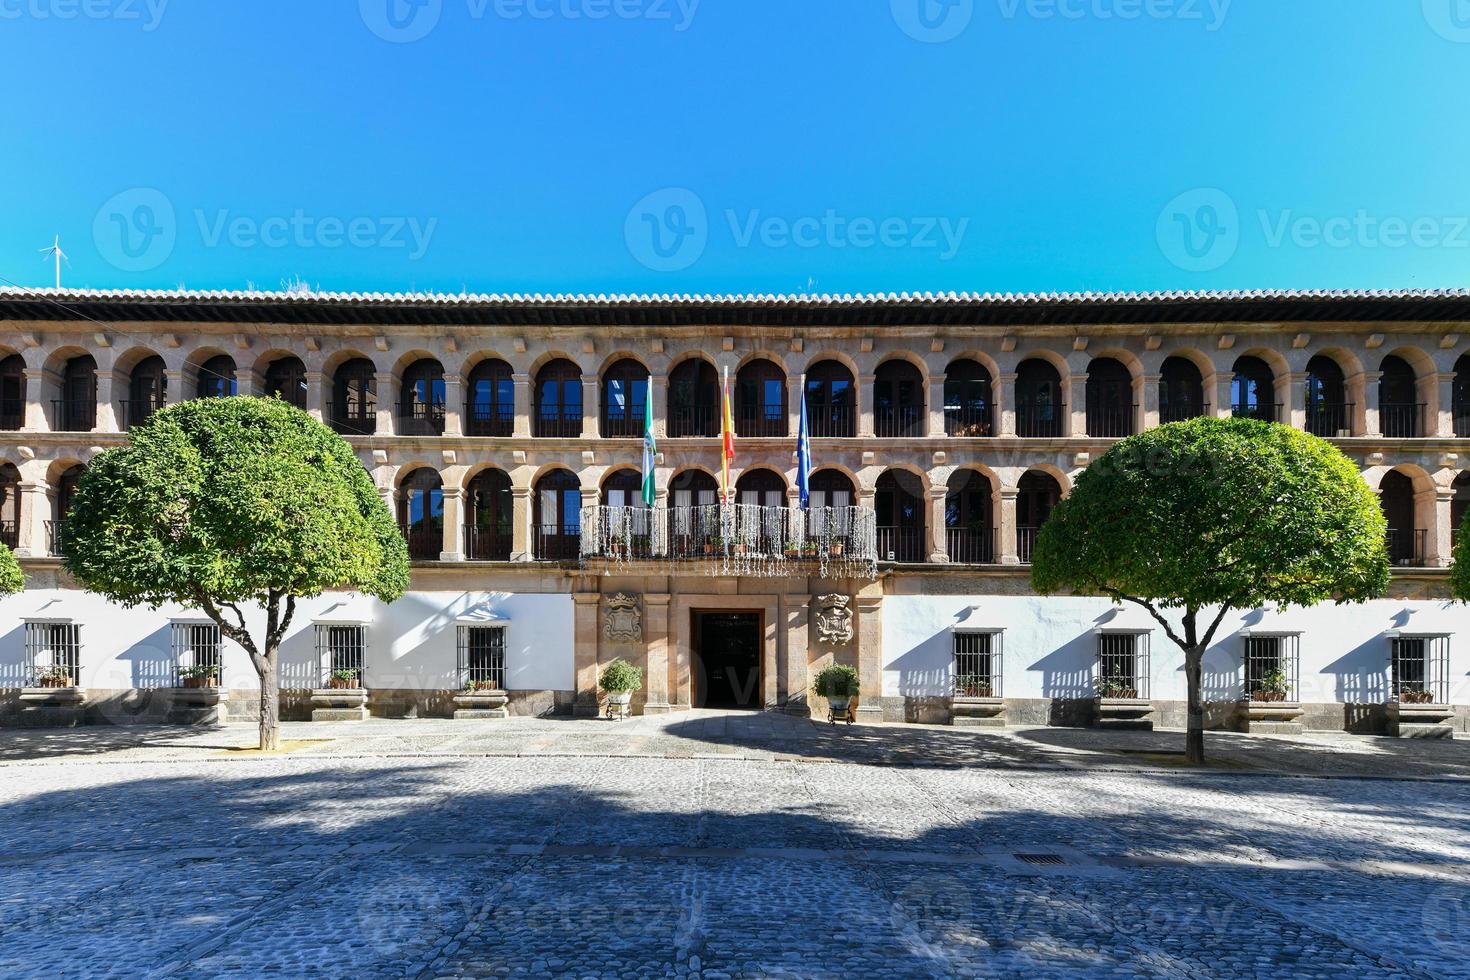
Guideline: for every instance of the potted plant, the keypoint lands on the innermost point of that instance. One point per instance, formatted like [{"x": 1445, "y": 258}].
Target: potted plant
[
  {"x": 1115, "y": 688},
  {"x": 618, "y": 680},
  {"x": 200, "y": 675},
  {"x": 1119, "y": 706},
  {"x": 343, "y": 680},
  {"x": 973, "y": 686},
  {"x": 1416, "y": 697},
  {"x": 54, "y": 677},
  {"x": 1274, "y": 688},
  {"x": 836, "y": 548},
  {"x": 838, "y": 683},
  {"x": 481, "y": 699}
]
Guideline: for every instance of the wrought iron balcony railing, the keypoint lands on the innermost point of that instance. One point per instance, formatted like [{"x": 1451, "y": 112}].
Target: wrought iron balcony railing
[
  {"x": 487, "y": 543},
  {"x": 1330, "y": 419},
  {"x": 1407, "y": 548},
  {"x": 969, "y": 422},
  {"x": 970, "y": 545},
  {"x": 1402, "y": 421},
  {"x": 1263, "y": 411},
  {"x": 1182, "y": 411},
  {"x": 421, "y": 419},
  {"x": 74, "y": 414}
]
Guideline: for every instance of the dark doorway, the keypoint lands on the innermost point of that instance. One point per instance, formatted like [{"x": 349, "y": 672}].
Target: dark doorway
[{"x": 727, "y": 656}]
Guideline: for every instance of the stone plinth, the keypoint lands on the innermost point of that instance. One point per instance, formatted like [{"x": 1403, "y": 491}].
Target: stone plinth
[
  {"x": 1273, "y": 717},
  {"x": 52, "y": 707},
  {"x": 1421, "y": 720},
  {"x": 339, "y": 704},
  {"x": 197, "y": 706},
  {"x": 481, "y": 705},
  {"x": 975, "y": 712},
  {"x": 1125, "y": 714}
]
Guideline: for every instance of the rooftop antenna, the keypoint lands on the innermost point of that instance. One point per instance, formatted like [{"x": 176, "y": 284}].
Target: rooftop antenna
[{"x": 54, "y": 251}]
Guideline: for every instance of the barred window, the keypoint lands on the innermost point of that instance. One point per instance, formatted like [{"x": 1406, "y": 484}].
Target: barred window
[
  {"x": 197, "y": 651},
  {"x": 482, "y": 657},
  {"x": 1272, "y": 665},
  {"x": 977, "y": 663},
  {"x": 1419, "y": 668},
  {"x": 1123, "y": 665},
  {"x": 342, "y": 650},
  {"x": 54, "y": 653}
]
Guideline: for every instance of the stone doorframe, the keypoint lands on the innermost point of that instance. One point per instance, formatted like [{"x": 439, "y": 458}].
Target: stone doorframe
[{"x": 681, "y": 664}]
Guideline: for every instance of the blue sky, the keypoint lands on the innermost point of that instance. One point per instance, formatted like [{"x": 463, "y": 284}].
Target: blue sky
[{"x": 737, "y": 145}]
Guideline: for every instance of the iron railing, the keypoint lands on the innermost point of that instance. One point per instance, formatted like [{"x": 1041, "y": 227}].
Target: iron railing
[
  {"x": 1026, "y": 543},
  {"x": 557, "y": 426},
  {"x": 1039, "y": 421},
  {"x": 832, "y": 422},
  {"x": 899, "y": 422},
  {"x": 1462, "y": 421},
  {"x": 493, "y": 419},
  {"x": 969, "y": 421},
  {"x": 1330, "y": 419},
  {"x": 761, "y": 422},
  {"x": 1109, "y": 420},
  {"x": 555, "y": 542},
  {"x": 970, "y": 546},
  {"x": 487, "y": 543},
  {"x": 424, "y": 543},
  {"x": 693, "y": 421},
  {"x": 74, "y": 414},
  {"x": 1401, "y": 421},
  {"x": 197, "y": 646},
  {"x": 1272, "y": 665},
  {"x": 1419, "y": 667},
  {"x": 54, "y": 653},
  {"x": 12, "y": 413},
  {"x": 481, "y": 658},
  {"x": 1123, "y": 665},
  {"x": 342, "y": 649},
  {"x": 1262, "y": 411},
  {"x": 1182, "y": 411},
  {"x": 978, "y": 663},
  {"x": 136, "y": 412},
  {"x": 10, "y": 534},
  {"x": 355, "y": 420},
  {"x": 902, "y": 543},
  {"x": 421, "y": 419},
  {"x": 626, "y": 426},
  {"x": 55, "y": 539},
  {"x": 1406, "y": 548}
]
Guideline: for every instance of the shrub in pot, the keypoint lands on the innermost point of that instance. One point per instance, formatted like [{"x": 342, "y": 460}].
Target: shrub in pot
[
  {"x": 1273, "y": 688},
  {"x": 618, "y": 681},
  {"x": 1115, "y": 687},
  {"x": 838, "y": 683},
  {"x": 1416, "y": 697},
  {"x": 343, "y": 680},
  {"x": 201, "y": 675},
  {"x": 53, "y": 677},
  {"x": 973, "y": 686}
]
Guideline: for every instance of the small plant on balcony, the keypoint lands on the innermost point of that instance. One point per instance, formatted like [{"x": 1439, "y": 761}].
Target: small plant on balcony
[
  {"x": 1273, "y": 687},
  {"x": 1416, "y": 697},
  {"x": 479, "y": 687},
  {"x": 54, "y": 676},
  {"x": 343, "y": 680},
  {"x": 200, "y": 675},
  {"x": 973, "y": 686},
  {"x": 836, "y": 548},
  {"x": 1115, "y": 687}
]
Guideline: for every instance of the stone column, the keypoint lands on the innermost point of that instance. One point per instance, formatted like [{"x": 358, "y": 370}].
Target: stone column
[
  {"x": 658, "y": 391},
  {"x": 175, "y": 389},
  {"x": 869, "y": 641},
  {"x": 1077, "y": 407},
  {"x": 936, "y": 405},
  {"x": 938, "y": 538},
  {"x": 795, "y": 615},
  {"x": 863, "y": 400},
  {"x": 453, "y": 525},
  {"x": 316, "y": 396},
  {"x": 1372, "y": 426},
  {"x": 387, "y": 402},
  {"x": 1439, "y": 549},
  {"x": 591, "y": 407},
  {"x": 106, "y": 403},
  {"x": 35, "y": 406},
  {"x": 1148, "y": 404},
  {"x": 656, "y": 636},
  {"x": 520, "y": 532},
  {"x": 1003, "y": 395},
  {"x": 1225, "y": 395},
  {"x": 1442, "y": 422},
  {"x": 794, "y": 395},
  {"x": 31, "y": 531},
  {"x": 1356, "y": 392},
  {"x": 453, "y": 406},
  {"x": 1007, "y": 552},
  {"x": 588, "y": 605},
  {"x": 246, "y": 382},
  {"x": 522, "y": 385}
]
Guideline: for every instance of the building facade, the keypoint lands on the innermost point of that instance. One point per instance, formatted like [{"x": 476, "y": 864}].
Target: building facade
[{"x": 507, "y": 433}]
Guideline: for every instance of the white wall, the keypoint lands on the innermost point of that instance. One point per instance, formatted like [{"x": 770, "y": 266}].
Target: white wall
[
  {"x": 411, "y": 644},
  {"x": 1050, "y": 647}
]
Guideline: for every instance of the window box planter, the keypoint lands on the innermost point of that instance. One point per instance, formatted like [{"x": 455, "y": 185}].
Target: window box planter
[
  {"x": 976, "y": 711},
  {"x": 481, "y": 704},
  {"x": 1273, "y": 717},
  {"x": 1125, "y": 713},
  {"x": 1420, "y": 719},
  {"x": 339, "y": 704}
]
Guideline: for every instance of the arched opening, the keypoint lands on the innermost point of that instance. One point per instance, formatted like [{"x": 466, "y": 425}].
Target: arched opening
[
  {"x": 12, "y": 392},
  {"x": 1037, "y": 496},
  {"x": 1181, "y": 391},
  {"x": 355, "y": 398},
  {"x": 421, "y": 399},
  {"x": 1328, "y": 411},
  {"x": 831, "y": 405},
  {"x": 967, "y": 400},
  {"x": 216, "y": 378},
  {"x": 898, "y": 400},
  {"x": 421, "y": 514},
  {"x": 759, "y": 530},
  {"x": 830, "y": 502},
  {"x": 694, "y": 400},
  {"x": 1253, "y": 390},
  {"x": 899, "y": 503},
  {"x": 624, "y": 400},
  {"x": 558, "y": 411},
  {"x": 969, "y": 526},
  {"x": 490, "y": 401},
  {"x": 558, "y": 517},
  {"x": 1406, "y": 541},
  {"x": 760, "y": 401},
  {"x": 1038, "y": 400},
  {"x": 490, "y": 530},
  {"x": 629, "y": 528},
  {"x": 285, "y": 378},
  {"x": 1400, "y": 413},
  {"x": 147, "y": 391},
  {"x": 76, "y": 411},
  {"x": 66, "y": 491},
  {"x": 1460, "y": 397},
  {"x": 1109, "y": 399},
  {"x": 9, "y": 506},
  {"x": 1459, "y": 508},
  {"x": 694, "y": 519}
]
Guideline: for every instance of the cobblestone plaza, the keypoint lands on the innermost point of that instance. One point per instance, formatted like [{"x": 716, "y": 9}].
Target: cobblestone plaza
[{"x": 717, "y": 845}]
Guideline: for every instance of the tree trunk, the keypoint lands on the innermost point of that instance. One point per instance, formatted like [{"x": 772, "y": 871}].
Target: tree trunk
[
  {"x": 270, "y": 707},
  {"x": 1194, "y": 740}
]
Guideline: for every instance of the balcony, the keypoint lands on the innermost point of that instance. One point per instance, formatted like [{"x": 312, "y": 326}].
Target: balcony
[
  {"x": 12, "y": 413},
  {"x": 1402, "y": 421},
  {"x": 693, "y": 421},
  {"x": 741, "y": 539},
  {"x": 54, "y": 539},
  {"x": 898, "y": 422},
  {"x": 1039, "y": 421},
  {"x": 10, "y": 534},
  {"x": 136, "y": 412},
  {"x": 555, "y": 542},
  {"x": 355, "y": 420},
  {"x": 1330, "y": 419},
  {"x": 74, "y": 414},
  {"x": 1026, "y": 543},
  {"x": 487, "y": 543},
  {"x": 968, "y": 422},
  {"x": 1407, "y": 548},
  {"x": 1183, "y": 412},
  {"x": 488, "y": 419},
  {"x": 1261, "y": 411},
  {"x": 1462, "y": 421},
  {"x": 1108, "y": 420},
  {"x": 425, "y": 543},
  {"x": 550, "y": 426},
  {"x": 421, "y": 419},
  {"x": 901, "y": 543},
  {"x": 832, "y": 422},
  {"x": 769, "y": 425},
  {"x": 970, "y": 545}
]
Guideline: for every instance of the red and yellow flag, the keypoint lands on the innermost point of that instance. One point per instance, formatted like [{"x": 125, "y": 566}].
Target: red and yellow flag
[{"x": 727, "y": 439}]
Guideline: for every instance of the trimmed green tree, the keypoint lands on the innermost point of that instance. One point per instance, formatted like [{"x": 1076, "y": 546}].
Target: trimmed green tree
[
  {"x": 11, "y": 578},
  {"x": 1213, "y": 515},
  {"x": 1460, "y": 570},
  {"x": 231, "y": 503}
]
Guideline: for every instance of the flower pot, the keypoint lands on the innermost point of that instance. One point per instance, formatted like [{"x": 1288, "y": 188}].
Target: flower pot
[
  {"x": 839, "y": 707},
  {"x": 198, "y": 682},
  {"x": 339, "y": 685},
  {"x": 619, "y": 704}
]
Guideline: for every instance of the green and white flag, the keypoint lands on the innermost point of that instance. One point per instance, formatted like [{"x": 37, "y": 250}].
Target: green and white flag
[{"x": 650, "y": 447}]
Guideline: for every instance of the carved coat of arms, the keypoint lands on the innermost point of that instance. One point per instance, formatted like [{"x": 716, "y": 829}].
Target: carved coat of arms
[
  {"x": 624, "y": 623},
  {"x": 834, "y": 619}
]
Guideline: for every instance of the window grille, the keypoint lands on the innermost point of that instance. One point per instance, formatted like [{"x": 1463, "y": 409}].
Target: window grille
[
  {"x": 978, "y": 663},
  {"x": 54, "y": 650},
  {"x": 1272, "y": 667},
  {"x": 482, "y": 657},
  {"x": 341, "y": 648},
  {"x": 1420, "y": 665},
  {"x": 1123, "y": 665},
  {"x": 197, "y": 645}
]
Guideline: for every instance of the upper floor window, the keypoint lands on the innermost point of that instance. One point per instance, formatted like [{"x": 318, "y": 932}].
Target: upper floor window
[
  {"x": 1038, "y": 400},
  {"x": 831, "y": 403},
  {"x": 355, "y": 398},
  {"x": 421, "y": 399},
  {"x": 898, "y": 400},
  {"x": 1400, "y": 412},
  {"x": 1461, "y": 397},
  {"x": 9, "y": 506},
  {"x": 421, "y": 514},
  {"x": 968, "y": 521},
  {"x": 1038, "y": 495},
  {"x": 1181, "y": 391},
  {"x": 900, "y": 516},
  {"x": 624, "y": 400},
  {"x": 490, "y": 401},
  {"x": 216, "y": 378},
  {"x": 147, "y": 391},
  {"x": 12, "y": 392},
  {"x": 558, "y": 412},
  {"x": 558, "y": 516},
  {"x": 285, "y": 378},
  {"x": 66, "y": 491},
  {"x": 694, "y": 400},
  {"x": 1459, "y": 508},
  {"x": 1253, "y": 390},
  {"x": 1109, "y": 399},
  {"x": 76, "y": 410},
  {"x": 1328, "y": 411},
  {"x": 967, "y": 400},
  {"x": 760, "y": 400},
  {"x": 491, "y": 508}
]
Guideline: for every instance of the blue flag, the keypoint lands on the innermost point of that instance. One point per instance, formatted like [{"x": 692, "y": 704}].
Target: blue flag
[{"x": 804, "y": 452}]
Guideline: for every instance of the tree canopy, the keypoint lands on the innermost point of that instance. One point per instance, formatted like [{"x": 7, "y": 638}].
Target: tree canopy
[
  {"x": 1460, "y": 573},
  {"x": 11, "y": 579}
]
